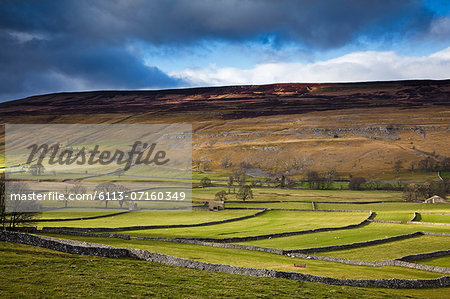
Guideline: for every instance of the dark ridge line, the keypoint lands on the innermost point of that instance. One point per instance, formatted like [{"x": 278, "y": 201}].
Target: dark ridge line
[
  {"x": 127, "y": 228},
  {"x": 407, "y": 82}
]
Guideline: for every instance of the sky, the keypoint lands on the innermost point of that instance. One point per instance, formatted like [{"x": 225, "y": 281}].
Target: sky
[{"x": 79, "y": 45}]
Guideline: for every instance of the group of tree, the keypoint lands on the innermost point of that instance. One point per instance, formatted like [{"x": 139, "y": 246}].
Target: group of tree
[
  {"x": 432, "y": 163},
  {"x": 111, "y": 191},
  {"x": 319, "y": 181},
  {"x": 36, "y": 169},
  {"x": 379, "y": 185},
  {"x": 205, "y": 182},
  {"x": 244, "y": 193},
  {"x": 420, "y": 192},
  {"x": 221, "y": 195},
  {"x": 237, "y": 178},
  {"x": 356, "y": 183}
]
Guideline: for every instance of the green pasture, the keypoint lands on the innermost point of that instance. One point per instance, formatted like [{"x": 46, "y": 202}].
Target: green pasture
[
  {"x": 435, "y": 218},
  {"x": 323, "y": 195},
  {"x": 113, "y": 205},
  {"x": 439, "y": 261},
  {"x": 267, "y": 223},
  {"x": 263, "y": 260},
  {"x": 60, "y": 275},
  {"x": 76, "y": 213},
  {"x": 398, "y": 211},
  {"x": 150, "y": 218},
  {"x": 271, "y": 205},
  {"x": 367, "y": 232},
  {"x": 393, "y": 250},
  {"x": 275, "y": 194}
]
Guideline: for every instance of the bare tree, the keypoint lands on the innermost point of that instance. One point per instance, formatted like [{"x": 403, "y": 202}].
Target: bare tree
[
  {"x": 2, "y": 200},
  {"x": 36, "y": 169},
  {"x": 205, "y": 182},
  {"x": 221, "y": 195},
  {"x": 315, "y": 181},
  {"x": 230, "y": 182},
  {"x": 120, "y": 189},
  {"x": 77, "y": 188},
  {"x": 244, "y": 193},
  {"x": 226, "y": 162},
  {"x": 240, "y": 176},
  {"x": 17, "y": 212},
  {"x": 106, "y": 187},
  {"x": 398, "y": 165},
  {"x": 355, "y": 183}
]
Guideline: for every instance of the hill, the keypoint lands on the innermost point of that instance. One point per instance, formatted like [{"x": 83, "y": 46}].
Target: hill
[{"x": 355, "y": 128}]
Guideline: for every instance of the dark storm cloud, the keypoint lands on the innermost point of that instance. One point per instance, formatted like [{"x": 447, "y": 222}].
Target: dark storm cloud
[
  {"x": 322, "y": 23},
  {"x": 66, "y": 45}
]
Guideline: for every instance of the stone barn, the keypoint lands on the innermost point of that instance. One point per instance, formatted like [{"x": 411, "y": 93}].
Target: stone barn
[
  {"x": 435, "y": 199},
  {"x": 216, "y": 205}
]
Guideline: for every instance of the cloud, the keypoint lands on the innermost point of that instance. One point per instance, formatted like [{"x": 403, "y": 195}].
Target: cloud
[
  {"x": 357, "y": 66},
  {"x": 440, "y": 29},
  {"x": 49, "y": 46},
  {"x": 32, "y": 65},
  {"x": 320, "y": 23}
]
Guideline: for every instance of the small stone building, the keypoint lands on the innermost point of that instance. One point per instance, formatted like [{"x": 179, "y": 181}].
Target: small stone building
[
  {"x": 132, "y": 206},
  {"x": 216, "y": 205},
  {"x": 435, "y": 199}
]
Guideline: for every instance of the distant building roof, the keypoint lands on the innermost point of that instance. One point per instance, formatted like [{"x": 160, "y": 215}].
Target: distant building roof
[{"x": 435, "y": 199}]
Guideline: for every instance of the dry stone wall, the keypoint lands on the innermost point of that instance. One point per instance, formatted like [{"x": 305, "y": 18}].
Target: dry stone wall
[
  {"x": 127, "y": 228},
  {"x": 77, "y": 247}
]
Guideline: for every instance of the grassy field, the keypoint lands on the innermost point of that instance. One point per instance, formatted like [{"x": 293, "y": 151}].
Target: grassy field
[
  {"x": 403, "y": 211},
  {"x": 439, "y": 261},
  {"x": 88, "y": 276},
  {"x": 285, "y": 131},
  {"x": 435, "y": 218},
  {"x": 393, "y": 250},
  {"x": 267, "y": 223},
  {"x": 150, "y": 218},
  {"x": 256, "y": 259},
  {"x": 272, "y": 205},
  {"x": 76, "y": 213},
  {"x": 272, "y": 194},
  {"x": 272, "y": 221},
  {"x": 368, "y": 232}
]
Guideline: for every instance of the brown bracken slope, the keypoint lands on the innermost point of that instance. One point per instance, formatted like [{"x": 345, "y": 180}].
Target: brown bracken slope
[{"x": 355, "y": 128}]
